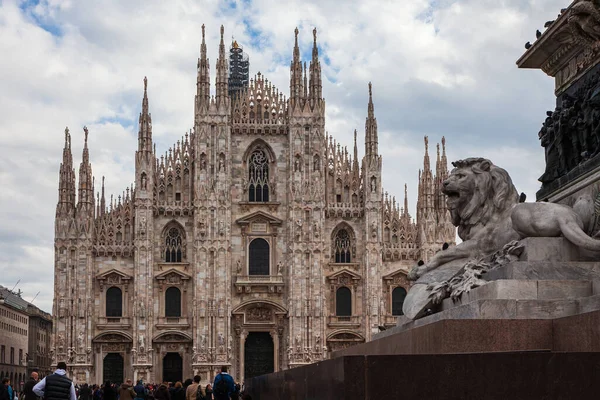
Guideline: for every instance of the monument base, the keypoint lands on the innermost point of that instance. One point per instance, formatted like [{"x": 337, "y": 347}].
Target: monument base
[{"x": 532, "y": 375}]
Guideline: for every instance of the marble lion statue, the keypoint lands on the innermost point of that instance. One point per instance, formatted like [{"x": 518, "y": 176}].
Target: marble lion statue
[{"x": 484, "y": 205}]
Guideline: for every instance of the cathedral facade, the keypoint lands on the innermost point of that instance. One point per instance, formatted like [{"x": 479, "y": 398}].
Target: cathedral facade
[{"x": 256, "y": 241}]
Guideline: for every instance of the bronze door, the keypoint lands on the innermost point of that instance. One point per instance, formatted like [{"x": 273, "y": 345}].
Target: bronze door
[
  {"x": 172, "y": 368},
  {"x": 113, "y": 368},
  {"x": 258, "y": 354}
]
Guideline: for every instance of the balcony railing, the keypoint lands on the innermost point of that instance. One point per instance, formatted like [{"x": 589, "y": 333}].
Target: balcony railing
[
  {"x": 343, "y": 321},
  {"x": 173, "y": 323},
  {"x": 251, "y": 279},
  {"x": 259, "y": 283},
  {"x": 113, "y": 322}
]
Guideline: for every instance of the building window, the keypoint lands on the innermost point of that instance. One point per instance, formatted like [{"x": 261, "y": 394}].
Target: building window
[
  {"x": 173, "y": 246},
  {"x": 342, "y": 247},
  {"x": 114, "y": 302},
  {"x": 20, "y": 356},
  {"x": 258, "y": 257},
  {"x": 3, "y": 354},
  {"x": 12, "y": 355},
  {"x": 398, "y": 296},
  {"x": 173, "y": 302},
  {"x": 258, "y": 179},
  {"x": 343, "y": 302}
]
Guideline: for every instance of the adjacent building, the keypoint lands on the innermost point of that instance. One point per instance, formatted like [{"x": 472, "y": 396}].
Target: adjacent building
[
  {"x": 256, "y": 241},
  {"x": 21, "y": 323}
]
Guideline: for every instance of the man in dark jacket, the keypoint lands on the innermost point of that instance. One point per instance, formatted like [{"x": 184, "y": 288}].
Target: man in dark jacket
[
  {"x": 126, "y": 391},
  {"x": 85, "y": 393},
  {"x": 28, "y": 388},
  {"x": 4, "y": 389},
  {"x": 223, "y": 385},
  {"x": 56, "y": 386}
]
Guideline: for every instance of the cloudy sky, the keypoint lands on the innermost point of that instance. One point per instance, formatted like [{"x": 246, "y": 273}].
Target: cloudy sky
[{"x": 438, "y": 67}]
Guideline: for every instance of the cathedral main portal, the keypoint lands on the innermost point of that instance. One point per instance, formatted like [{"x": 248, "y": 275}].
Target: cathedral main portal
[
  {"x": 259, "y": 354},
  {"x": 172, "y": 368},
  {"x": 113, "y": 368}
]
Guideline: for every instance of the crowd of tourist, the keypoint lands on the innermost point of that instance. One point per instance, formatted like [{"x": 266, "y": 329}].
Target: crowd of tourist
[{"x": 59, "y": 387}]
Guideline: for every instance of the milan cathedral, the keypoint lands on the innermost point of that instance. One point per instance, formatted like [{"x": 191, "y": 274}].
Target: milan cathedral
[{"x": 256, "y": 241}]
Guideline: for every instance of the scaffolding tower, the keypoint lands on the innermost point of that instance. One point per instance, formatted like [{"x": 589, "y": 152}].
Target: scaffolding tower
[{"x": 239, "y": 68}]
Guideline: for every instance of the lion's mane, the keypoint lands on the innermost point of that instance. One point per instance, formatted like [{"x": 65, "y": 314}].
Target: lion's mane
[{"x": 492, "y": 194}]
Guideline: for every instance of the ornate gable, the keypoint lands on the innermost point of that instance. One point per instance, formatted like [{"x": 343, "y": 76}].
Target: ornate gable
[
  {"x": 258, "y": 217},
  {"x": 258, "y": 222},
  {"x": 172, "y": 276},
  {"x": 113, "y": 277},
  {"x": 344, "y": 277}
]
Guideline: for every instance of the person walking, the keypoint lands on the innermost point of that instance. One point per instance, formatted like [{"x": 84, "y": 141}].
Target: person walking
[
  {"x": 85, "y": 393},
  {"x": 56, "y": 386},
  {"x": 4, "y": 389},
  {"x": 162, "y": 393},
  {"x": 126, "y": 391},
  {"x": 140, "y": 391},
  {"x": 192, "y": 390},
  {"x": 108, "y": 391},
  {"x": 209, "y": 392},
  {"x": 223, "y": 386},
  {"x": 178, "y": 393},
  {"x": 28, "y": 388}
]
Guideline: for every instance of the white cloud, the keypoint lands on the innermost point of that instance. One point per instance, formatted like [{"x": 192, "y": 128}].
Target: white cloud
[{"x": 437, "y": 67}]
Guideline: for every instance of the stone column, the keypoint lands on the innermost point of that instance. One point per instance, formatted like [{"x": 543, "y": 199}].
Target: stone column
[
  {"x": 275, "y": 338},
  {"x": 243, "y": 336}
]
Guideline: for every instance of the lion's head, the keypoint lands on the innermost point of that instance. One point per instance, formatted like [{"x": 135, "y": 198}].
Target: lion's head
[{"x": 477, "y": 190}]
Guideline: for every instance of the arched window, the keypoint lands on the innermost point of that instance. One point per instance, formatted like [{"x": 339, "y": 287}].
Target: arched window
[
  {"x": 114, "y": 302},
  {"x": 173, "y": 246},
  {"x": 343, "y": 302},
  {"x": 398, "y": 296},
  {"x": 173, "y": 302},
  {"x": 342, "y": 246},
  {"x": 258, "y": 179},
  {"x": 258, "y": 257}
]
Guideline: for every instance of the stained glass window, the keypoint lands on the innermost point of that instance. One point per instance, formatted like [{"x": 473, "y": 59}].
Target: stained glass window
[{"x": 258, "y": 180}]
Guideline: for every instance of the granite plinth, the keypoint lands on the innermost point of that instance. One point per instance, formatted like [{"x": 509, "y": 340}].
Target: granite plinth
[
  {"x": 520, "y": 375},
  {"x": 435, "y": 335}
]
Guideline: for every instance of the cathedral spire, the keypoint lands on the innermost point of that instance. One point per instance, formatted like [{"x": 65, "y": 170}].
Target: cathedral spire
[
  {"x": 203, "y": 79},
  {"x": 444, "y": 161},
  {"x": 296, "y": 48},
  {"x": 66, "y": 182},
  {"x": 85, "y": 205},
  {"x": 405, "y": 200},
  {"x": 102, "y": 200},
  {"x": 304, "y": 84},
  {"x": 145, "y": 124},
  {"x": 222, "y": 71},
  {"x": 315, "y": 73},
  {"x": 371, "y": 138},
  {"x": 296, "y": 89},
  {"x": 426, "y": 164}
]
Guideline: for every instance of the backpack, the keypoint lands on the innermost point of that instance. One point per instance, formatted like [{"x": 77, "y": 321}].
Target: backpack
[
  {"x": 220, "y": 388},
  {"x": 199, "y": 395}
]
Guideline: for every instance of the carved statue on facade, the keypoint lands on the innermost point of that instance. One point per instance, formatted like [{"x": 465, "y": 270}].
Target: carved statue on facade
[
  {"x": 80, "y": 341},
  {"x": 61, "y": 342},
  {"x": 570, "y": 134},
  {"x": 298, "y": 343},
  {"x": 141, "y": 310},
  {"x": 484, "y": 205},
  {"x": 280, "y": 268},
  {"x": 141, "y": 343}
]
